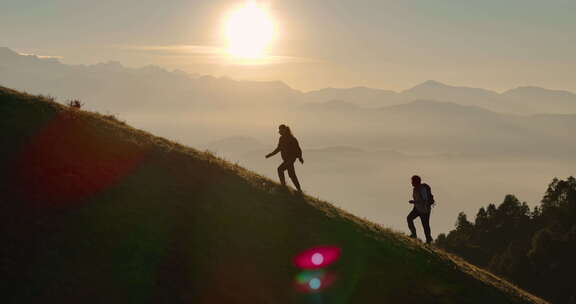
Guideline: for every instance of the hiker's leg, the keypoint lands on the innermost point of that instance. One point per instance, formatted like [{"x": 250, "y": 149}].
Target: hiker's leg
[
  {"x": 425, "y": 218},
  {"x": 281, "y": 170},
  {"x": 292, "y": 174},
  {"x": 410, "y": 219}
]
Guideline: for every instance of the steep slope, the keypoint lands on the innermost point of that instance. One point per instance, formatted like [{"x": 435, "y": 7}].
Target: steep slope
[{"x": 93, "y": 211}]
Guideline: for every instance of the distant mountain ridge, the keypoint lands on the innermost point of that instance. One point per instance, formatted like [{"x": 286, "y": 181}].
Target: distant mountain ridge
[
  {"x": 537, "y": 91},
  {"x": 360, "y": 96},
  {"x": 521, "y": 100},
  {"x": 435, "y": 125},
  {"x": 134, "y": 89},
  {"x": 444, "y": 107},
  {"x": 440, "y": 91},
  {"x": 152, "y": 87}
]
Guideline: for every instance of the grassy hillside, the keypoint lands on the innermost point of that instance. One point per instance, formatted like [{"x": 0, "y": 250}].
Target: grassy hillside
[{"x": 94, "y": 211}]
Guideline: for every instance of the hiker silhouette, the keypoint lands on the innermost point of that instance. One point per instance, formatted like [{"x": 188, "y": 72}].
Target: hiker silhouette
[
  {"x": 290, "y": 151},
  {"x": 422, "y": 199}
]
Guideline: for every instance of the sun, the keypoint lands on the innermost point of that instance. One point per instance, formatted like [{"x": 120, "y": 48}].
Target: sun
[{"x": 249, "y": 31}]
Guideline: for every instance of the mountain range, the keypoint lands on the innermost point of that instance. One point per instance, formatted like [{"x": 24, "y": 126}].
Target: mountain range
[
  {"x": 113, "y": 87},
  {"x": 429, "y": 118}
]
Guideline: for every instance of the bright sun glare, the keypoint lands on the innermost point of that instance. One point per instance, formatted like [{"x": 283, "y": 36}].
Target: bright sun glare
[{"x": 249, "y": 31}]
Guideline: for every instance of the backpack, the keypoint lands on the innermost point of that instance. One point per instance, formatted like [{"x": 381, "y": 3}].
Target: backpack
[
  {"x": 431, "y": 201},
  {"x": 292, "y": 147}
]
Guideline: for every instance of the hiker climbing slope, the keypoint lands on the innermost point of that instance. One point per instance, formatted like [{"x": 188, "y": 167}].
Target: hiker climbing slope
[
  {"x": 290, "y": 151},
  {"x": 422, "y": 199}
]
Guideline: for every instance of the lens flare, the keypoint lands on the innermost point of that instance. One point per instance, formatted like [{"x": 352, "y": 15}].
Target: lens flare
[
  {"x": 68, "y": 161},
  {"x": 317, "y": 257},
  {"x": 314, "y": 281}
]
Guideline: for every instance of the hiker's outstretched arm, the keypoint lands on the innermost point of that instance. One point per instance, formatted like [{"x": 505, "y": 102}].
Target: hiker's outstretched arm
[{"x": 274, "y": 152}]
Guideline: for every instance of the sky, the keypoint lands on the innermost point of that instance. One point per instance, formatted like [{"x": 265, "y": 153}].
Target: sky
[{"x": 494, "y": 44}]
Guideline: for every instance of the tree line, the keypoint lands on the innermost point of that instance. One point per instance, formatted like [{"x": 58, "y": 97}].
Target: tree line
[{"x": 533, "y": 248}]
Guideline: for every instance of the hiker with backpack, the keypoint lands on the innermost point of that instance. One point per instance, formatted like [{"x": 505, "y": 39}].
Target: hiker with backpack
[
  {"x": 422, "y": 199},
  {"x": 290, "y": 151}
]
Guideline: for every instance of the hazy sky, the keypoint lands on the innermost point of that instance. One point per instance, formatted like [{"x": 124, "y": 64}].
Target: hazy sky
[{"x": 496, "y": 44}]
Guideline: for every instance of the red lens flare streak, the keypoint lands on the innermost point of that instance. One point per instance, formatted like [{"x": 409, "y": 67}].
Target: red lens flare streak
[
  {"x": 70, "y": 160},
  {"x": 317, "y": 257}
]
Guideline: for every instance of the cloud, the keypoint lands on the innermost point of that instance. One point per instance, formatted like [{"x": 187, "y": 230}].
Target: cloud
[
  {"x": 40, "y": 56},
  {"x": 267, "y": 60},
  {"x": 212, "y": 54},
  {"x": 178, "y": 49}
]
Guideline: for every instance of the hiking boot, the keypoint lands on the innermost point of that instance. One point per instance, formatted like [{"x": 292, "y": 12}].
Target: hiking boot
[{"x": 413, "y": 236}]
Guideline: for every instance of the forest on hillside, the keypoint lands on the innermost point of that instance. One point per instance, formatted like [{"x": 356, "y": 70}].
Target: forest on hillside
[{"x": 534, "y": 248}]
